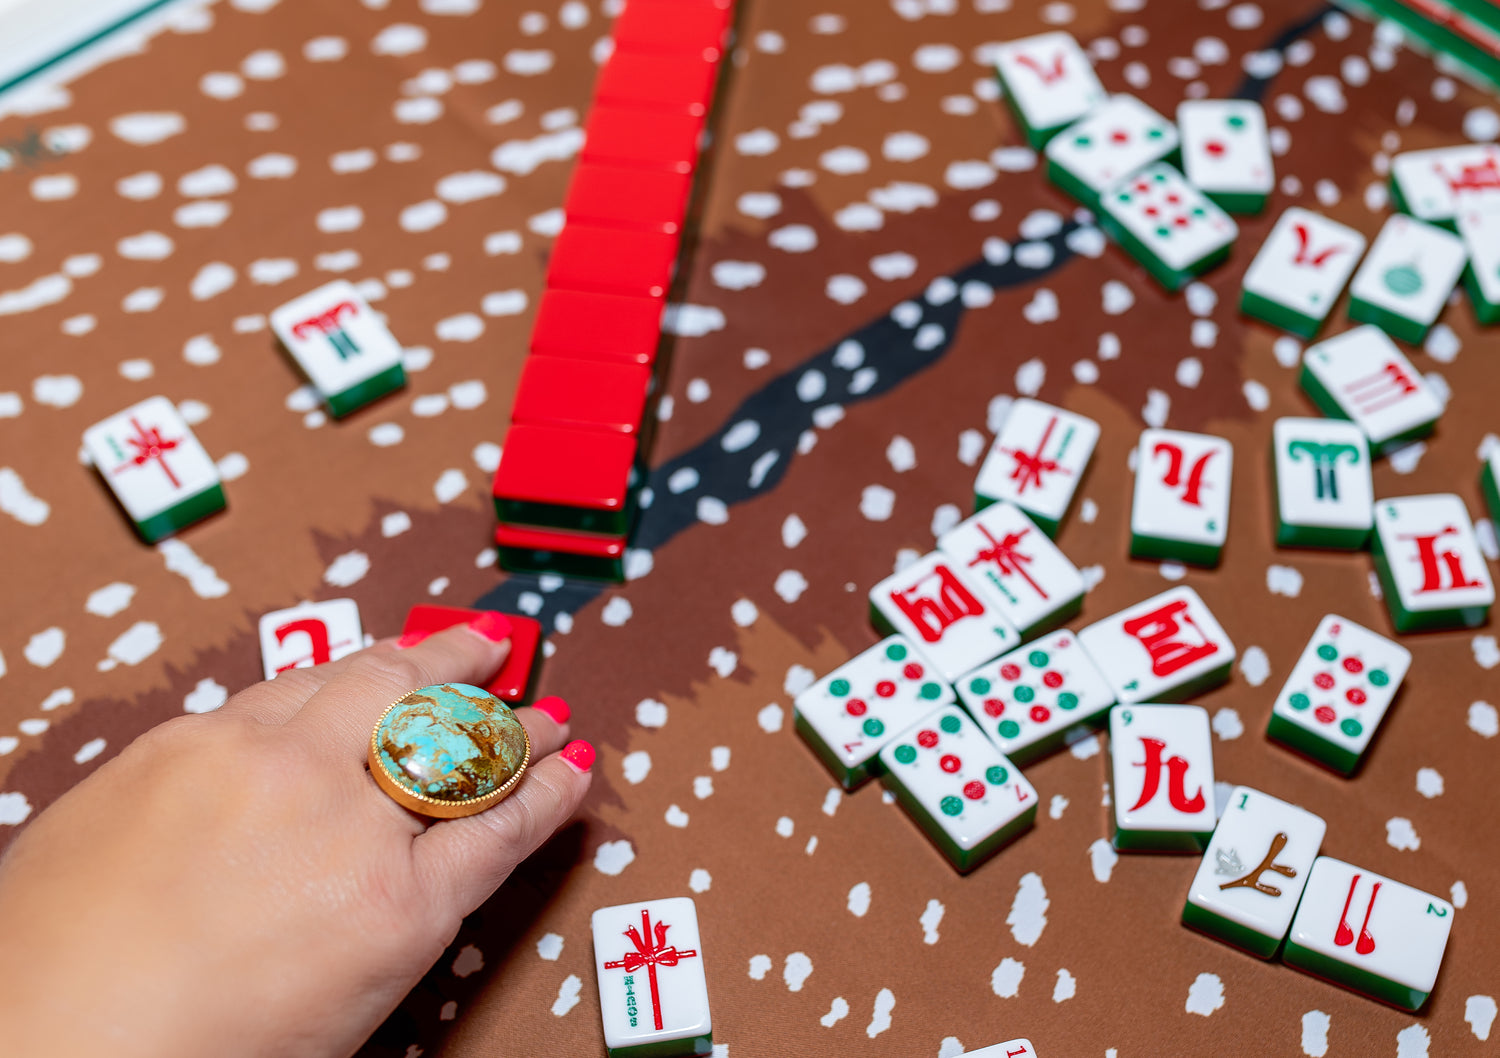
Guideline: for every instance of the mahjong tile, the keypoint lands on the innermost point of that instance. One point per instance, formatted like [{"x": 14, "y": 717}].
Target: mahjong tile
[
  {"x": 1430, "y": 566},
  {"x": 1119, "y": 137},
  {"x": 1010, "y": 1049},
  {"x": 1324, "y": 493},
  {"x": 1479, "y": 227},
  {"x": 309, "y": 634},
  {"x": 1338, "y": 693},
  {"x": 341, "y": 345},
  {"x": 1489, "y": 482},
  {"x": 1036, "y": 699},
  {"x": 155, "y": 467},
  {"x": 1166, "y": 224},
  {"x": 1226, "y": 152},
  {"x": 967, "y": 796},
  {"x": 1369, "y": 933},
  {"x": 1037, "y": 587},
  {"x": 1360, "y": 375},
  {"x": 858, "y": 707},
  {"x": 1427, "y": 184},
  {"x": 1165, "y": 649},
  {"x": 1406, "y": 278},
  {"x": 951, "y": 614},
  {"x": 653, "y": 991},
  {"x": 1161, "y": 778},
  {"x": 1048, "y": 82},
  {"x": 1180, "y": 508},
  {"x": 1300, "y": 271},
  {"x": 1037, "y": 461},
  {"x": 1254, "y": 871}
]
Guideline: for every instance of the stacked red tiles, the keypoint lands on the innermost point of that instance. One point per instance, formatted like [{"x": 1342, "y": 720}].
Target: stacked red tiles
[{"x": 566, "y": 485}]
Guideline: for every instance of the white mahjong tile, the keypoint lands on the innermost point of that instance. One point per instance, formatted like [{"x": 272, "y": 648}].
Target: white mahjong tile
[
  {"x": 1258, "y": 862},
  {"x": 1182, "y": 485},
  {"x": 1038, "y": 458},
  {"x": 1161, "y": 768},
  {"x": 1225, "y": 147},
  {"x": 1174, "y": 220},
  {"x": 1033, "y": 579},
  {"x": 150, "y": 458},
  {"x": 1373, "y": 923},
  {"x": 1010, "y": 1049},
  {"x": 1035, "y": 693},
  {"x": 309, "y": 634},
  {"x": 966, "y": 785},
  {"x": 1323, "y": 474},
  {"x": 648, "y": 957},
  {"x": 1411, "y": 269},
  {"x": 1119, "y": 137},
  {"x": 1374, "y": 384},
  {"x": 1343, "y": 683},
  {"x": 335, "y": 337},
  {"x": 1479, "y": 225},
  {"x": 1305, "y": 262},
  {"x": 1049, "y": 78},
  {"x": 953, "y": 616},
  {"x": 1150, "y": 649},
  {"x": 859, "y": 706},
  {"x": 1431, "y": 181},
  {"x": 1433, "y": 553}
]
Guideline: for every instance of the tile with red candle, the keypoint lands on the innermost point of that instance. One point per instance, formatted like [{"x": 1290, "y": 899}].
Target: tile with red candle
[
  {"x": 157, "y": 470},
  {"x": 1038, "y": 587},
  {"x": 1037, "y": 461},
  {"x": 653, "y": 991},
  {"x": 309, "y": 634}
]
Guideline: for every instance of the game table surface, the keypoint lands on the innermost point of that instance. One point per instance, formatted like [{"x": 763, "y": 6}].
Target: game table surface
[{"x": 830, "y": 925}]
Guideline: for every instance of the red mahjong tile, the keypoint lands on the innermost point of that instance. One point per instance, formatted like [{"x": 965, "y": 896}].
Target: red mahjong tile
[
  {"x": 619, "y": 196},
  {"x": 682, "y": 84},
  {"x": 597, "y": 327},
  {"x": 612, "y": 261},
  {"x": 530, "y": 538},
  {"x": 510, "y": 683},
  {"x": 562, "y": 391},
  {"x": 560, "y": 466},
  {"x": 631, "y": 137},
  {"x": 673, "y": 26}
]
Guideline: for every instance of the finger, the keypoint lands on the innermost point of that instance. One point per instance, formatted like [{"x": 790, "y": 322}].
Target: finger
[
  {"x": 546, "y": 724},
  {"x": 277, "y": 700},
  {"x": 341, "y": 713},
  {"x": 465, "y": 860}
]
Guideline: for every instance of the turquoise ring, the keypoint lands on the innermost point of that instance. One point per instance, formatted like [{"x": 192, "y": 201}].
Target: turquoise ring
[{"x": 448, "y": 750}]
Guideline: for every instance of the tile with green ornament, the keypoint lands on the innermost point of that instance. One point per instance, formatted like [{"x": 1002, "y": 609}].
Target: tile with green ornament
[
  {"x": 954, "y": 615},
  {"x": 1226, "y": 152},
  {"x": 1432, "y": 572},
  {"x": 1406, "y": 278},
  {"x": 1167, "y": 225},
  {"x": 1253, "y": 872},
  {"x": 1167, "y": 648},
  {"x": 1180, "y": 505},
  {"x": 342, "y": 346},
  {"x": 1338, "y": 693},
  {"x": 1325, "y": 496},
  {"x": 1048, "y": 83},
  {"x": 1361, "y": 375},
  {"x": 1427, "y": 184},
  {"x": 1161, "y": 778},
  {"x": 1300, "y": 271},
  {"x": 1479, "y": 227},
  {"x": 1037, "y": 587},
  {"x": 653, "y": 989},
  {"x": 1117, "y": 139},
  {"x": 1037, "y": 461},
  {"x": 964, "y": 793},
  {"x": 849, "y": 714},
  {"x": 1035, "y": 700}
]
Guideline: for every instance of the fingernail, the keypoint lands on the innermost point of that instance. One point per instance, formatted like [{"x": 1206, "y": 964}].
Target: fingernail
[
  {"x": 493, "y": 626},
  {"x": 411, "y": 639},
  {"x": 554, "y": 707},
  {"x": 579, "y": 754}
]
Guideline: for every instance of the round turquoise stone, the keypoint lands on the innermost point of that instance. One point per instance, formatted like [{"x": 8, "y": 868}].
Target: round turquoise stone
[{"x": 451, "y": 742}]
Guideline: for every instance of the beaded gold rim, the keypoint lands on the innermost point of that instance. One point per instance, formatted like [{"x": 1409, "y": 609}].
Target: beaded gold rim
[{"x": 432, "y": 806}]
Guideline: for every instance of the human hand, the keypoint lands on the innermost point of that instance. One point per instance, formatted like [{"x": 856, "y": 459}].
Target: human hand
[{"x": 236, "y": 884}]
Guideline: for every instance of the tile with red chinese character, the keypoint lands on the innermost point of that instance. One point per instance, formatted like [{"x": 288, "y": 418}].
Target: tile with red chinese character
[
  {"x": 967, "y": 796},
  {"x": 1431, "y": 569},
  {"x": 858, "y": 707},
  {"x": 952, "y": 615},
  {"x": 653, "y": 991},
  {"x": 157, "y": 470},
  {"x": 1033, "y": 701},
  {"x": 1161, "y": 778},
  {"x": 1038, "y": 587},
  {"x": 1300, "y": 271},
  {"x": 1180, "y": 509},
  {"x": 1009, "y": 1049},
  {"x": 1361, "y": 376},
  {"x": 342, "y": 346},
  {"x": 309, "y": 634},
  {"x": 1428, "y": 184},
  {"x": 1165, "y": 649},
  {"x": 1048, "y": 82},
  {"x": 1037, "y": 461},
  {"x": 1338, "y": 693}
]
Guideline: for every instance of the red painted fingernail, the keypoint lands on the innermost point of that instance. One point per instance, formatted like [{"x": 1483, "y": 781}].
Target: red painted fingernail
[
  {"x": 554, "y": 707},
  {"x": 493, "y": 626},
  {"x": 411, "y": 639},
  {"x": 579, "y": 754}
]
